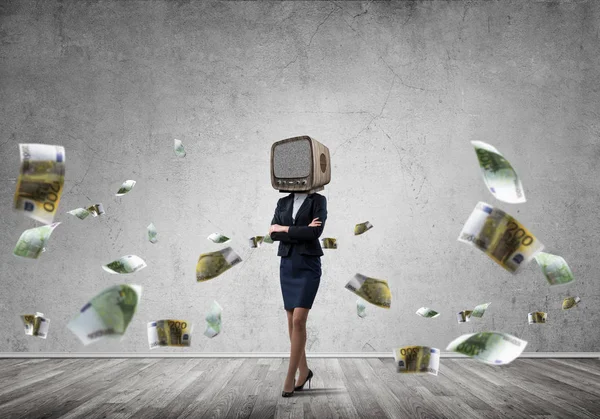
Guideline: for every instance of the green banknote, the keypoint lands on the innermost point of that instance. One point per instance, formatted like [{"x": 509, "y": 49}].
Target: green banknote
[
  {"x": 537, "y": 317},
  {"x": 499, "y": 176},
  {"x": 125, "y": 187},
  {"x": 464, "y": 316},
  {"x": 554, "y": 268},
  {"x": 427, "y": 312},
  {"x": 218, "y": 238},
  {"x": 36, "y": 325},
  {"x": 570, "y": 302},
  {"x": 479, "y": 310},
  {"x": 82, "y": 213},
  {"x": 417, "y": 359},
  {"x": 152, "y": 233},
  {"x": 41, "y": 180},
  {"x": 33, "y": 241},
  {"x": 268, "y": 239},
  {"x": 256, "y": 241},
  {"x": 500, "y": 236},
  {"x": 362, "y": 227},
  {"x": 178, "y": 148},
  {"x": 212, "y": 264},
  {"x": 213, "y": 320},
  {"x": 125, "y": 265},
  {"x": 328, "y": 243},
  {"x": 169, "y": 333},
  {"x": 361, "y": 308},
  {"x": 375, "y": 291},
  {"x": 108, "y": 314},
  {"x": 494, "y": 348}
]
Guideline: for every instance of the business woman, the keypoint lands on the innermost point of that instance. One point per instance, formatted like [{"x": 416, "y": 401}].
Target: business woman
[{"x": 297, "y": 224}]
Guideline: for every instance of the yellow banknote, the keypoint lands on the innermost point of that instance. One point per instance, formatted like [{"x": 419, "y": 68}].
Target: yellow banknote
[
  {"x": 169, "y": 333},
  {"x": 328, "y": 243},
  {"x": 36, "y": 325},
  {"x": 375, "y": 291},
  {"x": 417, "y": 359},
  {"x": 210, "y": 265},
  {"x": 362, "y": 227},
  {"x": 537, "y": 317},
  {"x": 570, "y": 302},
  {"x": 41, "y": 180},
  {"x": 464, "y": 316},
  {"x": 500, "y": 236}
]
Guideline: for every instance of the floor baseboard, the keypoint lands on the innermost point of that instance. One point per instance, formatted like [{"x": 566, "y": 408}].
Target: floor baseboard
[{"x": 6, "y": 355}]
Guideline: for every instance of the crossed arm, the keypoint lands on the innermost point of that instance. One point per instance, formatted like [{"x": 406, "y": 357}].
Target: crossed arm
[{"x": 295, "y": 234}]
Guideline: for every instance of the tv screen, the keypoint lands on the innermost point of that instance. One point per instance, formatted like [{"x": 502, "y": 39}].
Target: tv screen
[{"x": 292, "y": 159}]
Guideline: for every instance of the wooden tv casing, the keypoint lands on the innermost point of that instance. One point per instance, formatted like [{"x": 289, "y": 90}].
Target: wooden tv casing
[{"x": 317, "y": 179}]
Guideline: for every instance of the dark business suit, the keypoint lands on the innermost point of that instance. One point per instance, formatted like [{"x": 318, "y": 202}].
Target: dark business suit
[{"x": 299, "y": 248}]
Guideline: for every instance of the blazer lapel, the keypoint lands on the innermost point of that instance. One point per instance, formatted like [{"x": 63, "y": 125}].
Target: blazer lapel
[{"x": 304, "y": 207}]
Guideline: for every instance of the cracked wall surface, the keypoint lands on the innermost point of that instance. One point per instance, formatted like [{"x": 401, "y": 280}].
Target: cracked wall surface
[{"x": 396, "y": 90}]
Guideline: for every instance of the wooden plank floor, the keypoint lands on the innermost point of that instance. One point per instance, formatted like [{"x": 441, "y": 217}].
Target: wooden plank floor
[{"x": 251, "y": 388}]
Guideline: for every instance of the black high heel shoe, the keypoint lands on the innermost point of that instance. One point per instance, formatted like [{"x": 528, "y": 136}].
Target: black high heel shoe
[
  {"x": 308, "y": 378},
  {"x": 287, "y": 393}
]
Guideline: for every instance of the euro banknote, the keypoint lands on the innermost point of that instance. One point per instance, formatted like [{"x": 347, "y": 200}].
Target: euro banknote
[
  {"x": 427, "y": 312},
  {"x": 125, "y": 265},
  {"x": 218, "y": 238},
  {"x": 361, "y": 308},
  {"x": 494, "y": 348},
  {"x": 41, "y": 181},
  {"x": 213, "y": 320},
  {"x": 362, "y": 227},
  {"x": 537, "y": 317},
  {"x": 256, "y": 241},
  {"x": 570, "y": 302},
  {"x": 33, "y": 241},
  {"x": 417, "y": 359},
  {"x": 328, "y": 243},
  {"x": 178, "y": 148},
  {"x": 169, "y": 333},
  {"x": 212, "y": 264},
  {"x": 555, "y": 268},
  {"x": 375, "y": 291},
  {"x": 36, "y": 325},
  {"x": 82, "y": 213},
  {"x": 125, "y": 187},
  {"x": 500, "y": 236},
  {"x": 152, "y": 233},
  {"x": 499, "y": 176},
  {"x": 107, "y": 314},
  {"x": 479, "y": 310},
  {"x": 464, "y": 316}
]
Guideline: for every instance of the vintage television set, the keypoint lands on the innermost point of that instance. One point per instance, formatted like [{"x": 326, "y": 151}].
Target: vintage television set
[{"x": 300, "y": 164}]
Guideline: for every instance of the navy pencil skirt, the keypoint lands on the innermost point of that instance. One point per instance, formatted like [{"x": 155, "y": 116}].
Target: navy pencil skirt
[{"x": 299, "y": 276}]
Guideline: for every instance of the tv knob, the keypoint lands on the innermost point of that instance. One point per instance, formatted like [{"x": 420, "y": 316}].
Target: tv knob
[
  {"x": 304, "y": 182},
  {"x": 297, "y": 182}
]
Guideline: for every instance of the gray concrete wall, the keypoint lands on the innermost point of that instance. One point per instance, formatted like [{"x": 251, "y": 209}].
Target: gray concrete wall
[{"x": 395, "y": 90}]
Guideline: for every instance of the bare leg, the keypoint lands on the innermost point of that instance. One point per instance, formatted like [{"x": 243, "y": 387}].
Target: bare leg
[
  {"x": 302, "y": 366},
  {"x": 298, "y": 343}
]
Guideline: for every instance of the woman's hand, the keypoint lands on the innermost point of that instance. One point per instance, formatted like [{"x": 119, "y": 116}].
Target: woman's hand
[
  {"x": 276, "y": 228},
  {"x": 315, "y": 223}
]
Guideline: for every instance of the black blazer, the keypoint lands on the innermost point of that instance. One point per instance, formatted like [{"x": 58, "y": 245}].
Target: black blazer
[{"x": 300, "y": 234}]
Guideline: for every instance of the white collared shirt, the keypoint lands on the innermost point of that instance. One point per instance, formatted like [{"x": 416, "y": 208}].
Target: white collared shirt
[{"x": 298, "y": 200}]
